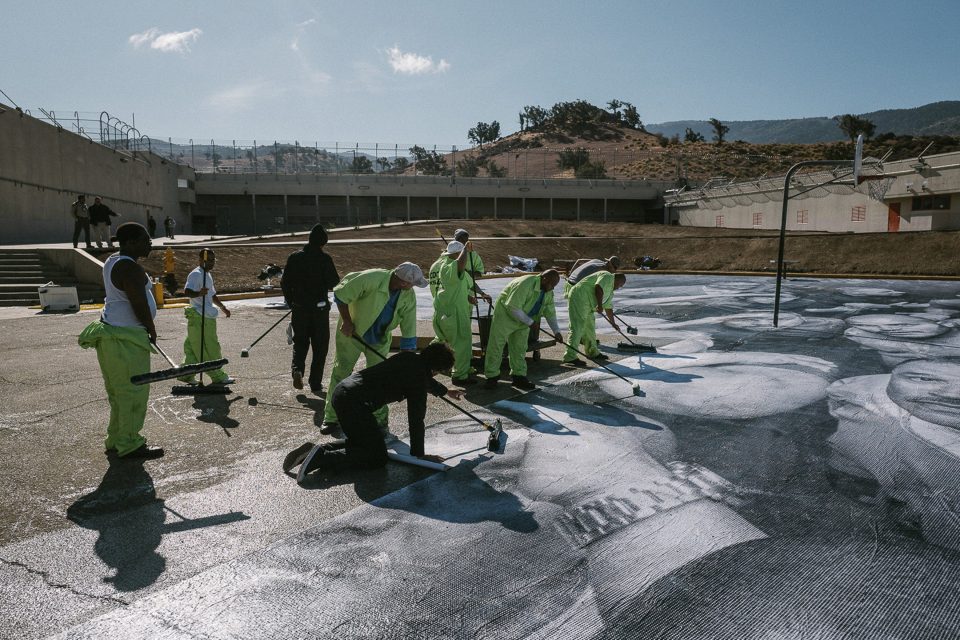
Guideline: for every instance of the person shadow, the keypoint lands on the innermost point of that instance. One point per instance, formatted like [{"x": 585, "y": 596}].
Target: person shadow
[
  {"x": 317, "y": 405},
  {"x": 458, "y": 495},
  {"x": 215, "y": 409},
  {"x": 129, "y": 517}
]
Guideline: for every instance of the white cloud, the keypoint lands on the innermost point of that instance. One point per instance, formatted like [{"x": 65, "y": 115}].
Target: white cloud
[
  {"x": 171, "y": 42},
  {"x": 140, "y": 39},
  {"x": 414, "y": 63},
  {"x": 238, "y": 97}
]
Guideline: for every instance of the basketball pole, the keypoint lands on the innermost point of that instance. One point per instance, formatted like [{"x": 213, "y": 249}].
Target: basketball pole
[{"x": 783, "y": 217}]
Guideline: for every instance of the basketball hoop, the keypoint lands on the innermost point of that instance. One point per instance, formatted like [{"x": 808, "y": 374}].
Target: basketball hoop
[
  {"x": 858, "y": 160},
  {"x": 878, "y": 185}
]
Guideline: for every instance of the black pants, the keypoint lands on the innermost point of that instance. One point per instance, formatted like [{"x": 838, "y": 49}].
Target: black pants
[
  {"x": 78, "y": 224},
  {"x": 311, "y": 328},
  {"x": 365, "y": 448}
]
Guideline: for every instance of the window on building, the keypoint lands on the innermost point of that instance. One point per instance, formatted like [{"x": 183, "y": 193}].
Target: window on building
[
  {"x": 719, "y": 221},
  {"x": 803, "y": 216},
  {"x": 757, "y": 219},
  {"x": 858, "y": 214},
  {"x": 306, "y": 201},
  {"x": 931, "y": 203}
]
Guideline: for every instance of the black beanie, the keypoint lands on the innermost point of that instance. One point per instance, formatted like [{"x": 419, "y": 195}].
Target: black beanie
[{"x": 318, "y": 235}]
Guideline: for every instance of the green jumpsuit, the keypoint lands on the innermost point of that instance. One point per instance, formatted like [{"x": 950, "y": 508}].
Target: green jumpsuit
[
  {"x": 211, "y": 344},
  {"x": 123, "y": 352},
  {"x": 366, "y": 293},
  {"x": 451, "y": 313},
  {"x": 505, "y": 329},
  {"x": 582, "y": 307}
]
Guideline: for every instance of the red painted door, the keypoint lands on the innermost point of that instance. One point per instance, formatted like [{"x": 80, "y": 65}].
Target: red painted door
[{"x": 893, "y": 216}]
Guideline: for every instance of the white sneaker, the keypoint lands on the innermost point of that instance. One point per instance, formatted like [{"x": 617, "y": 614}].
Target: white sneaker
[{"x": 225, "y": 381}]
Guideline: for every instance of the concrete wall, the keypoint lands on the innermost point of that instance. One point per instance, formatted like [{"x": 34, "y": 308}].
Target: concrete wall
[
  {"x": 43, "y": 168},
  {"x": 254, "y": 203}
]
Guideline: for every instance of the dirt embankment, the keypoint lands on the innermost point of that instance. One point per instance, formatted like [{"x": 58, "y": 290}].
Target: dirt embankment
[{"x": 934, "y": 253}]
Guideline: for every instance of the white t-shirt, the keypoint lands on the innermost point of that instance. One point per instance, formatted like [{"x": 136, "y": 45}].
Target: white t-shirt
[
  {"x": 117, "y": 310},
  {"x": 195, "y": 282}
]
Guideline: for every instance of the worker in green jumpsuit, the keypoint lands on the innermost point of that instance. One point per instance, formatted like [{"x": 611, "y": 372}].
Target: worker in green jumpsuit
[
  {"x": 592, "y": 294},
  {"x": 202, "y": 343},
  {"x": 519, "y": 307},
  {"x": 122, "y": 337},
  {"x": 372, "y": 303},
  {"x": 453, "y": 301},
  {"x": 475, "y": 267}
]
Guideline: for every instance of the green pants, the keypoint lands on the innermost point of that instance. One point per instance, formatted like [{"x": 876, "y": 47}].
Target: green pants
[
  {"x": 583, "y": 325},
  {"x": 347, "y": 353},
  {"x": 453, "y": 328},
  {"x": 122, "y": 352},
  {"x": 513, "y": 334},
  {"x": 211, "y": 345}
]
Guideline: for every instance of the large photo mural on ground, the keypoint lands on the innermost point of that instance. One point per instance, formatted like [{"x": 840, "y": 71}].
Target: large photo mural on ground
[{"x": 798, "y": 482}]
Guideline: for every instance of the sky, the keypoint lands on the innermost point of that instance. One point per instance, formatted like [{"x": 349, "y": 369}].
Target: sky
[{"x": 423, "y": 72}]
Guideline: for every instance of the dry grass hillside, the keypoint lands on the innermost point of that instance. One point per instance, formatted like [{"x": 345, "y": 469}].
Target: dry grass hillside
[
  {"x": 935, "y": 253},
  {"x": 632, "y": 154}
]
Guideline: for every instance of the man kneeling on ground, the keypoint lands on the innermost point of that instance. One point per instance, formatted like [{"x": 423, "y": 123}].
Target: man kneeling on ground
[{"x": 405, "y": 376}]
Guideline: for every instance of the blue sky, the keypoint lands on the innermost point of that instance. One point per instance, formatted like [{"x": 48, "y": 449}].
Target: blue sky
[{"x": 425, "y": 72}]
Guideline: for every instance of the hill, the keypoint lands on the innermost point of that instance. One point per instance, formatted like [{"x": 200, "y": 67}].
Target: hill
[{"x": 937, "y": 118}]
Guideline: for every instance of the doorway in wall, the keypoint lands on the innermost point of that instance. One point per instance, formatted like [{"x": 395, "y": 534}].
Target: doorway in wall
[{"x": 893, "y": 216}]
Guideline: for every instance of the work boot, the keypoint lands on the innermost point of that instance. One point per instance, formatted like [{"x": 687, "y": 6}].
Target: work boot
[
  {"x": 491, "y": 383},
  {"x": 464, "y": 382},
  {"x": 312, "y": 460},
  {"x": 523, "y": 383},
  {"x": 145, "y": 453},
  {"x": 576, "y": 362},
  {"x": 332, "y": 429},
  {"x": 317, "y": 390},
  {"x": 297, "y": 456},
  {"x": 601, "y": 356},
  {"x": 297, "y": 379}
]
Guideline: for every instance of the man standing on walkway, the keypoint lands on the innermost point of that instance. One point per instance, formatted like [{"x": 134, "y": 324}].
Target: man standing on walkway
[
  {"x": 307, "y": 278},
  {"x": 519, "y": 307},
  {"x": 122, "y": 337},
  {"x": 202, "y": 343},
  {"x": 452, "y": 303},
  {"x": 81, "y": 220},
  {"x": 168, "y": 224},
  {"x": 100, "y": 221},
  {"x": 371, "y": 304},
  {"x": 151, "y": 225},
  {"x": 592, "y": 294}
]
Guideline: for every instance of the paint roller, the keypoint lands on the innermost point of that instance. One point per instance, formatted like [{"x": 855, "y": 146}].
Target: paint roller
[
  {"x": 496, "y": 440},
  {"x": 245, "y": 353},
  {"x": 637, "y": 391},
  {"x": 175, "y": 371}
]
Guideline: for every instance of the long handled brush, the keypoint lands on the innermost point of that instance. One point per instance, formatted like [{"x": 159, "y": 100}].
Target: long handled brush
[
  {"x": 637, "y": 391},
  {"x": 175, "y": 371},
  {"x": 496, "y": 441},
  {"x": 245, "y": 353},
  {"x": 630, "y": 345},
  {"x": 631, "y": 330}
]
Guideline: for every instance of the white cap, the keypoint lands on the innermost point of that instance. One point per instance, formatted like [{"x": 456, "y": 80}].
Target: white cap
[
  {"x": 454, "y": 248},
  {"x": 409, "y": 272}
]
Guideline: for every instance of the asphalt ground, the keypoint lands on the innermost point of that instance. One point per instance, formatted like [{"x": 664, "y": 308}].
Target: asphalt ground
[{"x": 80, "y": 537}]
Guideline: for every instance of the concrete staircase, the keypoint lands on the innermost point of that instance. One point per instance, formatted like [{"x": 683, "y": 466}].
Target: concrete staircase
[{"x": 23, "y": 271}]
